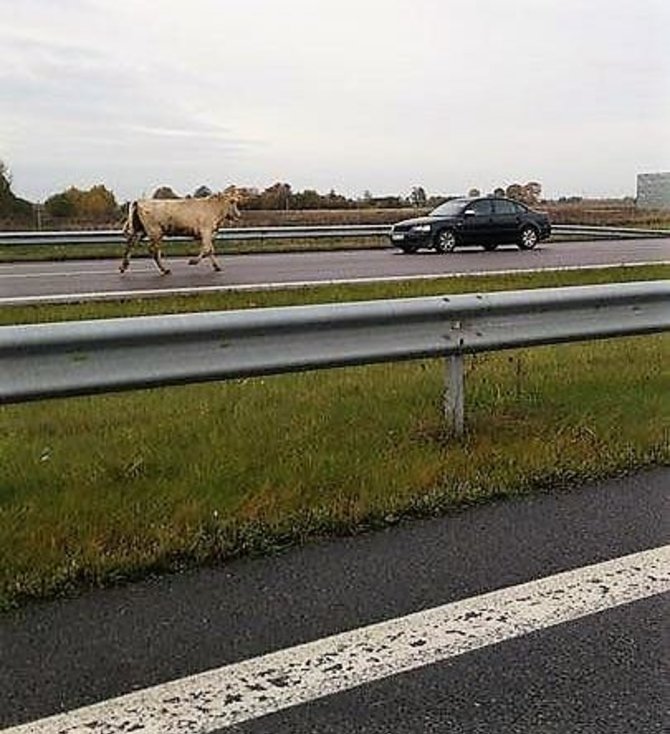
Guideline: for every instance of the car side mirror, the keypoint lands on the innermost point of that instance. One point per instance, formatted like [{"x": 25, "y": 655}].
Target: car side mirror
[{"x": 469, "y": 213}]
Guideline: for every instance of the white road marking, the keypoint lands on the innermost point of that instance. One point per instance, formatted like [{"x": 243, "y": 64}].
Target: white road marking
[
  {"x": 259, "y": 686},
  {"x": 63, "y": 274},
  {"x": 193, "y": 290}
]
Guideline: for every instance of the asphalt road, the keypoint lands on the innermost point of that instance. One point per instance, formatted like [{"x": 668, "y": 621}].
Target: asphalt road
[
  {"x": 80, "y": 279},
  {"x": 604, "y": 672}
]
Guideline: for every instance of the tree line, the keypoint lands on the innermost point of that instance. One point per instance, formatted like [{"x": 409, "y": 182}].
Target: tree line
[
  {"x": 282, "y": 196},
  {"x": 98, "y": 204}
]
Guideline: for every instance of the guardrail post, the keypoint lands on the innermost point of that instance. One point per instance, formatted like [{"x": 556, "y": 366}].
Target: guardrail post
[{"x": 454, "y": 409}]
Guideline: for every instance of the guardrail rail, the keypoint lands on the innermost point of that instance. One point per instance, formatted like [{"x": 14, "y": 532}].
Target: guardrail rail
[
  {"x": 39, "y": 361},
  {"x": 113, "y": 236}
]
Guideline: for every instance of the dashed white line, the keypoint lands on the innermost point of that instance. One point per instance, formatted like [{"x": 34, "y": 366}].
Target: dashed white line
[
  {"x": 252, "y": 688},
  {"x": 57, "y": 274}
]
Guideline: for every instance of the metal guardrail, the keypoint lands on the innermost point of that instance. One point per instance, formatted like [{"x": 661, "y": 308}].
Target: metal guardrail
[
  {"x": 113, "y": 236},
  {"x": 585, "y": 229},
  {"x": 40, "y": 361}
]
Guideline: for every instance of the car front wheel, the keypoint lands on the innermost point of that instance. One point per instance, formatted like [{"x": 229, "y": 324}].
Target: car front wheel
[
  {"x": 409, "y": 249},
  {"x": 445, "y": 241},
  {"x": 528, "y": 238}
]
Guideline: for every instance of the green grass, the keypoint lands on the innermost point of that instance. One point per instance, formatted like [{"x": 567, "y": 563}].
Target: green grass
[
  {"x": 35, "y": 253},
  {"x": 100, "y": 489}
]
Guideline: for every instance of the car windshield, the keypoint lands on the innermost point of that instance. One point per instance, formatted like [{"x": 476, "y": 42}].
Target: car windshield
[{"x": 449, "y": 208}]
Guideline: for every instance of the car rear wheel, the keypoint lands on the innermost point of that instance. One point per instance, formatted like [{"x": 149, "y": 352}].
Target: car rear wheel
[
  {"x": 445, "y": 241},
  {"x": 490, "y": 246},
  {"x": 528, "y": 238}
]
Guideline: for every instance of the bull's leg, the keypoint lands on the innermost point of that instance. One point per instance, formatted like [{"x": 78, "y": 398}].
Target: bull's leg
[
  {"x": 206, "y": 250},
  {"x": 155, "y": 250},
  {"x": 131, "y": 241},
  {"x": 195, "y": 260},
  {"x": 213, "y": 260}
]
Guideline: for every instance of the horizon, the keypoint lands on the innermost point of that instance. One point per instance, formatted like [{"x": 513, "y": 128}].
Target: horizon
[{"x": 356, "y": 199}]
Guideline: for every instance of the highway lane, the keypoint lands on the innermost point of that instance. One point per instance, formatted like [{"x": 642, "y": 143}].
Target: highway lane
[
  {"x": 600, "y": 673},
  {"x": 21, "y": 282}
]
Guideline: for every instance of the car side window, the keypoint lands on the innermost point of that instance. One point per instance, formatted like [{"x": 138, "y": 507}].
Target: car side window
[
  {"x": 481, "y": 208},
  {"x": 520, "y": 209},
  {"x": 502, "y": 206}
]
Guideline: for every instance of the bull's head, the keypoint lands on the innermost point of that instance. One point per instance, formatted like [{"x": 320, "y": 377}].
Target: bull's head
[{"x": 230, "y": 197}]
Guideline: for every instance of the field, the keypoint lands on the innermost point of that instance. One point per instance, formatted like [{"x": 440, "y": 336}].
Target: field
[
  {"x": 103, "y": 489},
  {"x": 601, "y": 212},
  {"x": 608, "y": 214},
  {"x": 588, "y": 213}
]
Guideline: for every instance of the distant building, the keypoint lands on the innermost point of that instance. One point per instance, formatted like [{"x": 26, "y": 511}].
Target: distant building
[{"x": 653, "y": 190}]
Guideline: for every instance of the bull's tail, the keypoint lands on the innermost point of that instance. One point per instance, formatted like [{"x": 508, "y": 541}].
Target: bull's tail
[{"x": 133, "y": 226}]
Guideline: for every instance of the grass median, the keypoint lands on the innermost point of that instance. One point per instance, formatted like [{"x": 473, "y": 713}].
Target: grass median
[
  {"x": 95, "y": 490},
  {"x": 74, "y": 251}
]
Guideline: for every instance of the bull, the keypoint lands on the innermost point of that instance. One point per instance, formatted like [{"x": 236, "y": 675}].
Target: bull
[{"x": 199, "y": 218}]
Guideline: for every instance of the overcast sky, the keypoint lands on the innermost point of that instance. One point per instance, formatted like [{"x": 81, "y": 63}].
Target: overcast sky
[{"x": 380, "y": 95}]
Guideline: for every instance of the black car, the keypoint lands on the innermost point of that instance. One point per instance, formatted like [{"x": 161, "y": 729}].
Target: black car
[{"x": 487, "y": 221}]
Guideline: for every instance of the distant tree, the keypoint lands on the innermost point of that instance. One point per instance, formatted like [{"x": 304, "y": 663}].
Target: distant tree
[
  {"x": 336, "y": 201},
  {"x": 61, "y": 206},
  {"x": 252, "y": 198},
  {"x": 277, "y": 196},
  {"x": 528, "y": 193},
  {"x": 499, "y": 191},
  {"x": 514, "y": 191},
  {"x": 474, "y": 192},
  {"x": 164, "y": 192},
  {"x": 5, "y": 181},
  {"x": 307, "y": 199},
  {"x": 390, "y": 202},
  {"x": 532, "y": 192},
  {"x": 418, "y": 197},
  {"x": 10, "y": 204},
  {"x": 367, "y": 198},
  {"x": 96, "y": 204},
  {"x": 201, "y": 192}
]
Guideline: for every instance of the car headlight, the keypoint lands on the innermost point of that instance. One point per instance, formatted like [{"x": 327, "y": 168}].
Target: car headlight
[{"x": 421, "y": 228}]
